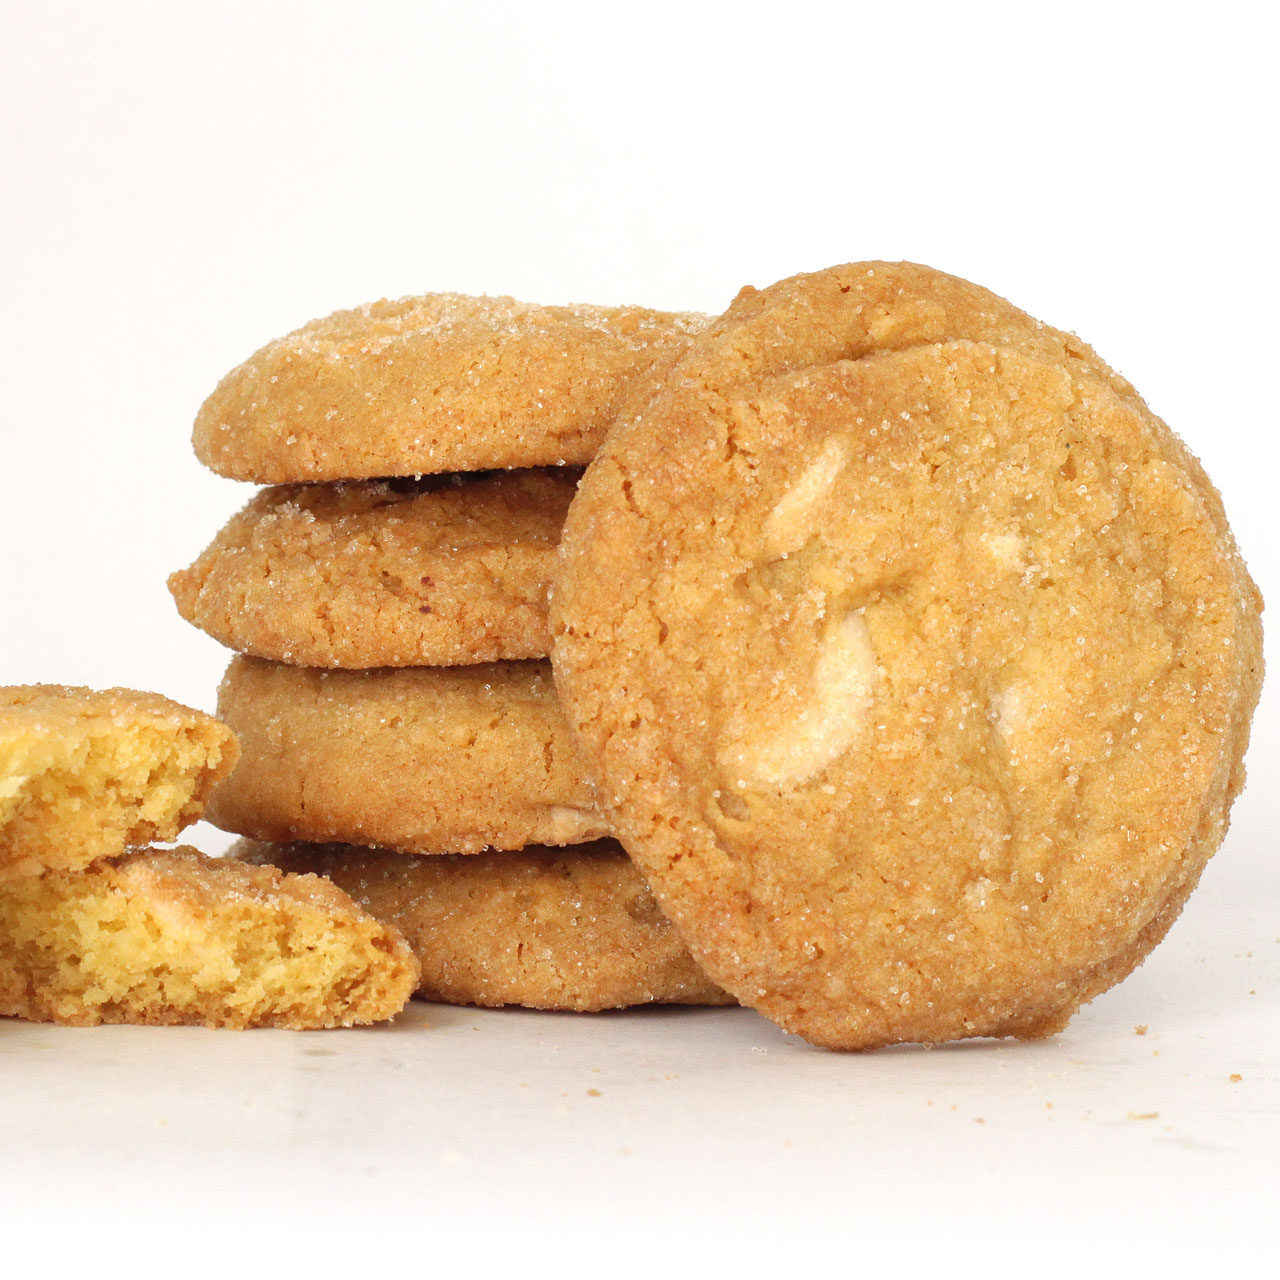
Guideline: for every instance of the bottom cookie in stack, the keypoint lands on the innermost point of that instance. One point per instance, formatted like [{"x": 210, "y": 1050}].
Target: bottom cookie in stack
[{"x": 568, "y": 929}]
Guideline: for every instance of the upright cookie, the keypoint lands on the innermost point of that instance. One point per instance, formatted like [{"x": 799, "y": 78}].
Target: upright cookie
[
  {"x": 169, "y": 937},
  {"x": 438, "y": 383},
  {"x": 85, "y": 774},
  {"x": 916, "y": 680},
  {"x": 546, "y": 928},
  {"x": 424, "y": 760},
  {"x": 400, "y": 573}
]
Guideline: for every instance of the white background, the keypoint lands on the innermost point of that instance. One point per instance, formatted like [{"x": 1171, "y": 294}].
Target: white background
[{"x": 182, "y": 182}]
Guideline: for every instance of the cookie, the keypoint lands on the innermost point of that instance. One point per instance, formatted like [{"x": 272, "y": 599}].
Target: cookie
[
  {"x": 85, "y": 774},
  {"x": 424, "y": 760},
  {"x": 400, "y": 573},
  {"x": 915, "y": 673},
  {"x": 437, "y": 383},
  {"x": 172, "y": 937},
  {"x": 572, "y": 929}
]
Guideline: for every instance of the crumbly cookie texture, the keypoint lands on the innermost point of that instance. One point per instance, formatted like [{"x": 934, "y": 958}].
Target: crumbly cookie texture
[
  {"x": 915, "y": 672},
  {"x": 442, "y": 382},
  {"x": 85, "y": 774},
  {"x": 424, "y": 760},
  {"x": 172, "y": 937},
  {"x": 431, "y": 572},
  {"x": 572, "y": 929}
]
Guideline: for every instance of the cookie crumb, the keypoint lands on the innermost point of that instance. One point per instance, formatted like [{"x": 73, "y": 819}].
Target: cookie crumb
[
  {"x": 1140, "y": 1030},
  {"x": 1235, "y": 1077},
  {"x": 594, "y": 1093}
]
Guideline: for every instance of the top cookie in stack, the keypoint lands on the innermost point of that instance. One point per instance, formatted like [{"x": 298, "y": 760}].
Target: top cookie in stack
[
  {"x": 388, "y": 593},
  {"x": 433, "y": 384}
]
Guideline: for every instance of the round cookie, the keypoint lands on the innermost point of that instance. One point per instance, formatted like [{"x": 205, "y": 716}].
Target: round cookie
[
  {"x": 432, "y": 572},
  {"x": 917, "y": 681},
  {"x": 85, "y": 773},
  {"x": 423, "y": 760},
  {"x": 442, "y": 382},
  {"x": 545, "y": 928}
]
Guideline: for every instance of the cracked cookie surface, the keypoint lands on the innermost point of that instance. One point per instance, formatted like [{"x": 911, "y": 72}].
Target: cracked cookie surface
[
  {"x": 400, "y": 573},
  {"x": 423, "y": 760},
  {"x": 441, "y": 382},
  {"x": 912, "y": 657},
  {"x": 572, "y": 929}
]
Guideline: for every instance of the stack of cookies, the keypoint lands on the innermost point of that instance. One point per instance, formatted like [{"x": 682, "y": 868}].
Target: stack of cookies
[
  {"x": 399, "y": 726},
  {"x": 904, "y": 650}
]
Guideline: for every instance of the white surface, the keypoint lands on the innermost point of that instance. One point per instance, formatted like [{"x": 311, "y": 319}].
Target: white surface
[{"x": 182, "y": 183}]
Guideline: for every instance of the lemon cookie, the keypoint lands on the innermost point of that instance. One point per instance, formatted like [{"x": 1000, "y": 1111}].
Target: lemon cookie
[
  {"x": 545, "y": 928},
  {"x": 443, "y": 382},
  {"x": 425, "y": 760},
  {"x": 400, "y": 573},
  {"x": 914, "y": 672},
  {"x": 166, "y": 937},
  {"x": 85, "y": 774}
]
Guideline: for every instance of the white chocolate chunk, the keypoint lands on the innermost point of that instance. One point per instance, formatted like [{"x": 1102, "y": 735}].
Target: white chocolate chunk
[
  {"x": 1009, "y": 710},
  {"x": 1007, "y": 549},
  {"x": 568, "y": 823},
  {"x": 977, "y": 895},
  {"x": 11, "y": 787},
  {"x": 791, "y": 752},
  {"x": 796, "y": 517}
]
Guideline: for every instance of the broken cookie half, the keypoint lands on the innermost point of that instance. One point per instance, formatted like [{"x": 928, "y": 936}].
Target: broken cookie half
[
  {"x": 86, "y": 774},
  {"x": 171, "y": 936},
  {"x": 90, "y": 933}
]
